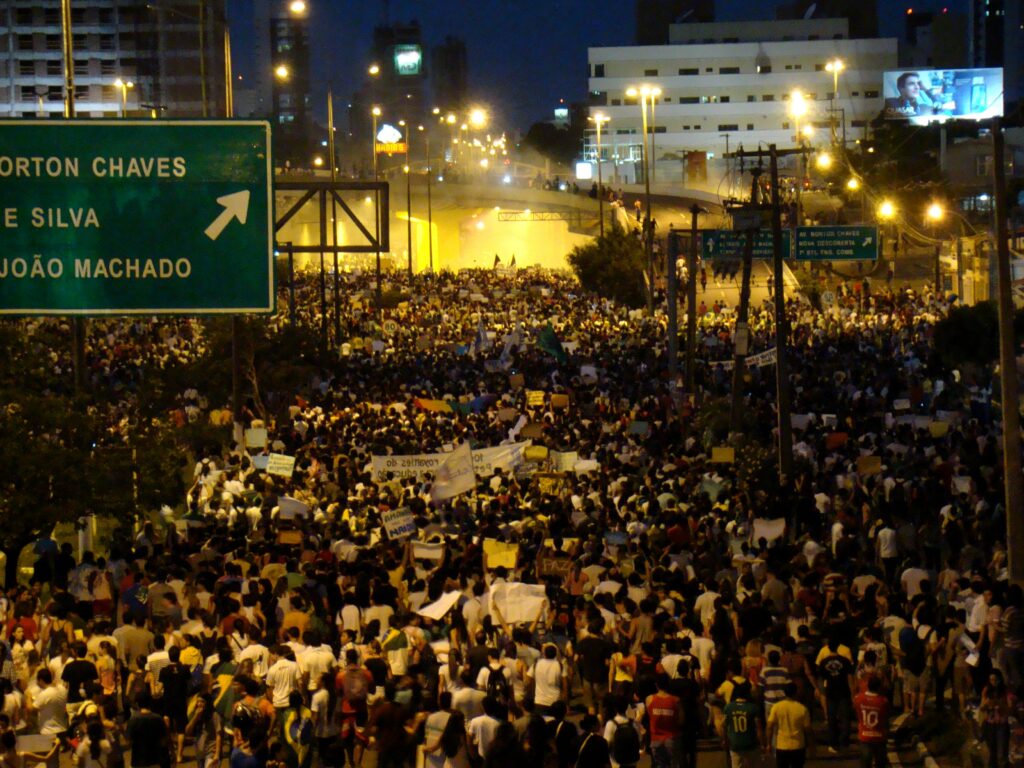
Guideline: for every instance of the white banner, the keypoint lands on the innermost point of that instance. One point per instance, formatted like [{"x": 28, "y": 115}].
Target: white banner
[
  {"x": 768, "y": 357},
  {"x": 485, "y": 461},
  {"x": 768, "y": 529},
  {"x": 424, "y": 550},
  {"x": 455, "y": 475},
  {"x": 437, "y": 609},
  {"x": 518, "y": 603},
  {"x": 564, "y": 461},
  {"x": 279, "y": 464},
  {"x": 288, "y": 508}
]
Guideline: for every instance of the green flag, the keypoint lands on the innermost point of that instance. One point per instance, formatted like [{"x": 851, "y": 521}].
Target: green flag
[{"x": 549, "y": 342}]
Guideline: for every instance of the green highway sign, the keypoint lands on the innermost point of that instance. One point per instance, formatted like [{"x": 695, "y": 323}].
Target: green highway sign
[
  {"x": 836, "y": 243},
  {"x": 135, "y": 217},
  {"x": 729, "y": 244}
]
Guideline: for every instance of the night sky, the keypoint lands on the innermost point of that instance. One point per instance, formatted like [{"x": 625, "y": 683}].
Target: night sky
[{"x": 524, "y": 55}]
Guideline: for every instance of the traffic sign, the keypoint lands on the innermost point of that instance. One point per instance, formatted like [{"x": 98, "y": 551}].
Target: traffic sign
[
  {"x": 135, "y": 217},
  {"x": 836, "y": 243},
  {"x": 728, "y": 244}
]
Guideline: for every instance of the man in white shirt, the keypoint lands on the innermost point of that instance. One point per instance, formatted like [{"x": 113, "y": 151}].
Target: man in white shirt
[
  {"x": 911, "y": 580},
  {"x": 483, "y": 727},
  {"x": 50, "y": 704},
  {"x": 705, "y": 604},
  {"x": 315, "y": 660},
  {"x": 257, "y": 652},
  {"x": 283, "y": 677},
  {"x": 549, "y": 678}
]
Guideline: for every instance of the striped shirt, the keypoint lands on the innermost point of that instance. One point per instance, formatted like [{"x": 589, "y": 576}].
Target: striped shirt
[{"x": 773, "y": 681}]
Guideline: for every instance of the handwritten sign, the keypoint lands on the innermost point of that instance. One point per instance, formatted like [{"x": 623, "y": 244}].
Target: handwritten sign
[
  {"x": 535, "y": 397},
  {"x": 279, "y": 464},
  {"x": 554, "y": 566},
  {"x": 399, "y": 523},
  {"x": 723, "y": 454},
  {"x": 500, "y": 554}
]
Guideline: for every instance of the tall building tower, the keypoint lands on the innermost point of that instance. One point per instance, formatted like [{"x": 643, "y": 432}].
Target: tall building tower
[
  {"x": 172, "y": 58},
  {"x": 995, "y": 38},
  {"x": 653, "y": 17},
  {"x": 862, "y": 14},
  {"x": 448, "y": 74}
]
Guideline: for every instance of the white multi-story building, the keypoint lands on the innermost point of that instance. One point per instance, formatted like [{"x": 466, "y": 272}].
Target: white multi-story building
[{"x": 726, "y": 84}]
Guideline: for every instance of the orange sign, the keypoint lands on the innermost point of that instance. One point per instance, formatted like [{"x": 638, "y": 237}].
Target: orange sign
[{"x": 391, "y": 148}]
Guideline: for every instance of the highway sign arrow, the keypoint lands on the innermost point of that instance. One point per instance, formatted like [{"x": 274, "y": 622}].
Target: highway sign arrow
[{"x": 236, "y": 206}]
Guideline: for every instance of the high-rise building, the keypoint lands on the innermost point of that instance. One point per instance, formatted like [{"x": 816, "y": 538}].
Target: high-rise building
[
  {"x": 995, "y": 38},
  {"x": 653, "y": 17},
  {"x": 934, "y": 39},
  {"x": 448, "y": 74},
  {"x": 172, "y": 58},
  {"x": 861, "y": 14}
]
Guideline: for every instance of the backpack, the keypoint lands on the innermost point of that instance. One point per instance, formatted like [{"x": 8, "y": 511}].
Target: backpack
[
  {"x": 497, "y": 685},
  {"x": 355, "y": 686},
  {"x": 625, "y": 746}
]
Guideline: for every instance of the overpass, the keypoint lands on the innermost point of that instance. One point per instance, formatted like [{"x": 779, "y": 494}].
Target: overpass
[{"x": 470, "y": 221}]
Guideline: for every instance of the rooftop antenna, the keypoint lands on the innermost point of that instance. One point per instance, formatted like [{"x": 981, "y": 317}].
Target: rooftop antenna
[{"x": 810, "y": 11}]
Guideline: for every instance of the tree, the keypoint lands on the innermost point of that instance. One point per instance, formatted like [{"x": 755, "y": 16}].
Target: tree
[
  {"x": 612, "y": 266},
  {"x": 561, "y": 145}
]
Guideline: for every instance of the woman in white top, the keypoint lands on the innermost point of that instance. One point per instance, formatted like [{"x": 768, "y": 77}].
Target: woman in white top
[
  {"x": 449, "y": 749},
  {"x": 94, "y": 750}
]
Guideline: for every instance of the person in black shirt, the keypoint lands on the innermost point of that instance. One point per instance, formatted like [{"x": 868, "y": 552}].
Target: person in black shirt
[
  {"x": 593, "y": 751},
  {"x": 835, "y": 670},
  {"x": 592, "y": 655},
  {"x": 175, "y": 679},
  {"x": 76, "y": 674},
  {"x": 147, "y": 735}
]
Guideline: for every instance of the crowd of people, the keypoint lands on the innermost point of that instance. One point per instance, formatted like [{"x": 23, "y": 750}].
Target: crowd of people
[{"x": 612, "y": 583}]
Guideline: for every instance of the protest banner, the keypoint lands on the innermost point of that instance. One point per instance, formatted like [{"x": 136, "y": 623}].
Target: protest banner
[
  {"x": 437, "y": 406},
  {"x": 535, "y": 397},
  {"x": 281, "y": 465},
  {"x": 549, "y": 482},
  {"x": 485, "y": 461},
  {"x": 289, "y": 508},
  {"x": 398, "y": 523},
  {"x": 517, "y": 603},
  {"x": 869, "y": 465},
  {"x": 536, "y": 453},
  {"x": 437, "y": 609},
  {"x": 588, "y": 373},
  {"x": 554, "y": 566},
  {"x": 586, "y": 465},
  {"x": 768, "y": 357},
  {"x": 769, "y": 530},
  {"x": 723, "y": 454},
  {"x": 455, "y": 474},
  {"x": 559, "y": 400},
  {"x": 500, "y": 554},
  {"x": 428, "y": 550},
  {"x": 256, "y": 438},
  {"x": 563, "y": 461},
  {"x": 532, "y": 431}
]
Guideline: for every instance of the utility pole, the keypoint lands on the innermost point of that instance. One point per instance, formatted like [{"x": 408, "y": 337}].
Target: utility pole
[
  {"x": 77, "y": 322},
  {"x": 430, "y": 210},
  {"x": 785, "y": 425},
  {"x": 672, "y": 255},
  {"x": 691, "y": 302},
  {"x": 334, "y": 212},
  {"x": 742, "y": 340},
  {"x": 1010, "y": 392}
]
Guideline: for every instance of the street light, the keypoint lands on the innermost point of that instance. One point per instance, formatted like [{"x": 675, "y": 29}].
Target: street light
[
  {"x": 374, "y": 114},
  {"x": 797, "y": 110},
  {"x": 373, "y": 70},
  {"x": 297, "y": 7},
  {"x": 935, "y": 214},
  {"x": 886, "y": 210},
  {"x": 823, "y": 161},
  {"x": 281, "y": 72},
  {"x": 853, "y": 184},
  {"x": 643, "y": 92},
  {"x": 124, "y": 85},
  {"x": 599, "y": 119},
  {"x": 478, "y": 118},
  {"x": 835, "y": 67}
]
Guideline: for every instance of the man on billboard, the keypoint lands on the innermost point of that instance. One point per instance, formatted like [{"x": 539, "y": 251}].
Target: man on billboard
[{"x": 914, "y": 100}]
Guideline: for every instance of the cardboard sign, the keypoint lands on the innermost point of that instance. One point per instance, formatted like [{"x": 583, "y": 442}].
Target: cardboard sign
[
  {"x": 437, "y": 609},
  {"x": 500, "y": 554},
  {"x": 723, "y": 454},
  {"x": 938, "y": 428},
  {"x": 256, "y": 438},
  {"x": 289, "y": 508},
  {"x": 768, "y": 529},
  {"x": 517, "y": 602},
  {"x": 428, "y": 550},
  {"x": 536, "y": 453},
  {"x": 399, "y": 523},
  {"x": 869, "y": 465},
  {"x": 289, "y": 538},
  {"x": 554, "y": 566},
  {"x": 507, "y": 414},
  {"x": 559, "y": 400},
  {"x": 517, "y": 381},
  {"x": 532, "y": 432},
  {"x": 535, "y": 398},
  {"x": 279, "y": 464},
  {"x": 563, "y": 461},
  {"x": 902, "y": 404},
  {"x": 588, "y": 372},
  {"x": 835, "y": 440},
  {"x": 549, "y": 482}
]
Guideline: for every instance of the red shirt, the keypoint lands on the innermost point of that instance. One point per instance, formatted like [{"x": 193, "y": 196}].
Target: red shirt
[
  {"x": 872, "y": 717},
  {"x": 663, "y": 716}
]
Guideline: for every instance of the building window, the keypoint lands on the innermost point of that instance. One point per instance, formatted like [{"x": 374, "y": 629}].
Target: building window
[
  {"x": 819, "y": 67},
  {"x": 599, "y": 70},
  {"x": 81, "y": 66},
  {"x": 108, "y": 43},
  {"x": 667, "y": 99},
  {"x": 855, "y": 93},
  {"x": 750, "y": 126},
  {"x": 983, "y": 165},
  {"x": 26, "y": 67},
  {"x": 751, "y": 98},
  {"x": 724, "y": 99},
  {"x": 77, "y": 16},
  {"x": 660, "y": 129},
  {"x": 859, "y": 123},
  {"x": 709, "y": 69},
  {"x": 870, "y": 94},
  {"x": 650, "y": 73},
  {"x": 798, "y": 66},
  {"x": 108, "y": 67},
  {"x": 768, "y": 97},
  {"x": 81, "y": 92},
  {"x": 813, "y": 37},
  {"x": 686, "y": 127},
  {"x": 616, "y": 102},
  {"x": 28, "y": 93},
  {"x": 707, "y": 99},
  {"x": 623, "y": 131},
  {"x": 785, "y": 126},
  {"x": 52, "y": 43},
  {"x": 689, "y": 99},
  {"x": 54, "y": 67},
  {"x": 55, "y": 93},
  {"x": 689, "y": 71},
  {"x": 730, "y": 40},
  {"x": 51, "y": 16},
  {"x": 728, "y": 70},
  {"x": 25, "y": 42},
  {"x": 110, "y": 93},
  {"x": 764, "y": 69},
  {"x": 728, "y": 127},
  {"x": 80, "y": 42},
  {"x": 106, "y": 15},
  {"x": 23, "y": 16}
]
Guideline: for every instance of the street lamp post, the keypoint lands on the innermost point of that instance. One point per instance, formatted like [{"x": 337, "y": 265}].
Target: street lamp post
[
  {"x": 430, "y": 208},
  {"x": 374, "y": 114},
  {"x": 886, "y": 213},
  {"x": 407, "y": 168},
  {"x": 600, "y": 119},
  {"x": 835, "y": 67},
  {"x": 643, "y": 93},
  {"x": 124, "y": 85},
  {"x": 936, "y": 214},
  {"x": 797, "y": 109}
]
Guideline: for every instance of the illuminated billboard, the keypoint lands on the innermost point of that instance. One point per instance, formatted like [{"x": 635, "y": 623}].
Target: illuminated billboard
[
  {"x": 408, "y": 59},
  {"x": 921, "y": 96}
]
